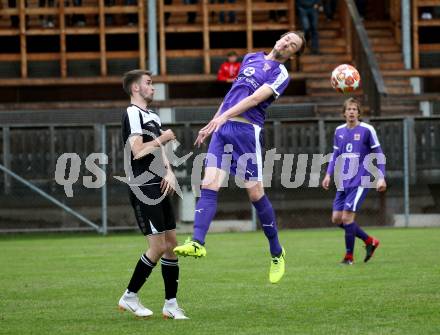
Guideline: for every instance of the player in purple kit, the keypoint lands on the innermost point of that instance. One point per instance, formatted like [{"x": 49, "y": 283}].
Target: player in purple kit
[
  {"x": 237, "y": 131},
  {"x": 357, "y": 142}
]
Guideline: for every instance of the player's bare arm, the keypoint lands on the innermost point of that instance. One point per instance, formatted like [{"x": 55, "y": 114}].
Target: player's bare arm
[
  {"x": 326, "y": 182},
  {"x": 260, "y": 95},
  {"x": 168, "y": 183},
  {"x": 215, "y": 116},
  {"x": 141, "y": 149},
  {"x": 381, "y": 185},
  {"x": 218, "y": 111}
]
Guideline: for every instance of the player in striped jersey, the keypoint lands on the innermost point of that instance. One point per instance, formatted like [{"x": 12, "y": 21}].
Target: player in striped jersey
[{"x": 143, "y": 139}]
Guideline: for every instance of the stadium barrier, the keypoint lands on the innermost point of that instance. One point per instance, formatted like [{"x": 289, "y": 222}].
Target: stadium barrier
[{"x": 32, "y": 151}]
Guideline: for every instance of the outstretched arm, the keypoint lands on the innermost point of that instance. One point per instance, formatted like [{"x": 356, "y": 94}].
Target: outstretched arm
[
  {"x": 260, "y": 95},
  {"x": 218, "y": 111}
]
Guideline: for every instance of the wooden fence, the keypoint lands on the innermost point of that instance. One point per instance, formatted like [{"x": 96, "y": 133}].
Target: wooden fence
[{"x": 32, "y": 151}]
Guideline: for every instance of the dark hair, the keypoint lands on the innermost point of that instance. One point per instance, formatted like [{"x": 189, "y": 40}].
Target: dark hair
[
  {"x": 231, "y": 53},
  {"x": 131, "y": 77},
  {"x": 300, "y": 34},
  {"x": 352, "y": 101}
]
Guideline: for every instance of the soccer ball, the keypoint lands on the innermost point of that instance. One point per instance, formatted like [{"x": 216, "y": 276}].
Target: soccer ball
[{"x": 345, "y": 78}]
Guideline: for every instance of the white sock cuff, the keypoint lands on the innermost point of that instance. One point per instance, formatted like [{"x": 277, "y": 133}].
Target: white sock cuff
[
  {"x": 129, "y": 294},
  {"x": 171, "y": 301}
]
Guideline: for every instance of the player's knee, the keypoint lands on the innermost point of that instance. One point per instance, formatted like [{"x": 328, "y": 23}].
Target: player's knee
[
  {"x": 254, "y": 197},
  {"x": 211, "y": 186},
  {"x": 346, "y": 219},
  {"x": 337, "y": 219},
  {"x": 255, "y": 194},
  {"x": 169, "y": 253},
  {"x": 163, "y": 248},
  {"x": 170, "y": 245},
  {"x": 158, "y": 250}
]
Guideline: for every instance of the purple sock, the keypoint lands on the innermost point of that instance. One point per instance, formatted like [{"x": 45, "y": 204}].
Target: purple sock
[
  {"x": 350, "y": 232},
  {"x": 360, "y": 233},
  {"x": 268, "y": 222},
  {"x": 204, "y": 213}
]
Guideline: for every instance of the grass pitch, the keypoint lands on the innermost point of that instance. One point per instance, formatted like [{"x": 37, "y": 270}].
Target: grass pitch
[{"x": 70, "y": 284}]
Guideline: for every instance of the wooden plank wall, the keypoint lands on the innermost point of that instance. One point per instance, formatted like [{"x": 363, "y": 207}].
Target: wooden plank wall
[
  {"x": 29, "y": 25},
  {"x": 418, "y": 7},
  {"x": 252, "y": 17}
]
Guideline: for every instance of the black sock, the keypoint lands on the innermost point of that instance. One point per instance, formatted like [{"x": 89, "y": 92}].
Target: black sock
[
  {"x": 142, "y": 271},
  {"x": 170, "y": 274}
]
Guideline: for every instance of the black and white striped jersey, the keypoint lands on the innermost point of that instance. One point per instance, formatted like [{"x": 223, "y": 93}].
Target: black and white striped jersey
[{"x": 137, "y": 121}]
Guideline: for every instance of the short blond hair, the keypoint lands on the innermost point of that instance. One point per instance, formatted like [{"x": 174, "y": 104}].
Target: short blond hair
[{"x": 352, "y": 101}]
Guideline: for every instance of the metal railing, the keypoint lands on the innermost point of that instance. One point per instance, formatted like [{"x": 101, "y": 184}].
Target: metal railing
[
  {"x": 411, "y": 145},
  {"x": 32, "y": 151},
  {"x": 359, "y": 46}
]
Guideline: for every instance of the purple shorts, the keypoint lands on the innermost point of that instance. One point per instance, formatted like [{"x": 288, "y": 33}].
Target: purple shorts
[
  {"x": 350, "y": 199},
  {"x": 236, "y": 148}
]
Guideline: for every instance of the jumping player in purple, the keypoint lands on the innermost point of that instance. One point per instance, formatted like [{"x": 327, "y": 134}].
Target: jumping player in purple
[
  {"x": 237, "y": 130},
  {"x": 355, "y": 141}
]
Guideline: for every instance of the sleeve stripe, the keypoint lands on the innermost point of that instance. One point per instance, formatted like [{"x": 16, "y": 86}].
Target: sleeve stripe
[
  {"x": 133, "y": 118},
  {"x": 335, "y": 147},
  {"x": 373, "y": 134},
  {"x": 275, "y": 92},
  {"x": 375, "y": 139},
  {"x": 280, "y": 79}
]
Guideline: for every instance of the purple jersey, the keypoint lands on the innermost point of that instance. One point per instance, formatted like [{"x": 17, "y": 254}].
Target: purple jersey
[
  {"x": 256, "y": 71},
  {"x": 354, "y": 144}
]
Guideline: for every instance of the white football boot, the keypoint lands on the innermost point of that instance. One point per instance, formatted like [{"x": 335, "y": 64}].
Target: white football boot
[
  {"x": 171, "y": 310},
  {"x": 130, "y": 302}
]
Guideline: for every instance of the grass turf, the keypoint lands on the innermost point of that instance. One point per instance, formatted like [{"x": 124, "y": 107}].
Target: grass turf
[{"x": 70, "y": 284}]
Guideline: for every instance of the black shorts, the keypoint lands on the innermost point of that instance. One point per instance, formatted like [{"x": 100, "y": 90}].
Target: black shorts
[{"x": 153, "y": 219}]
